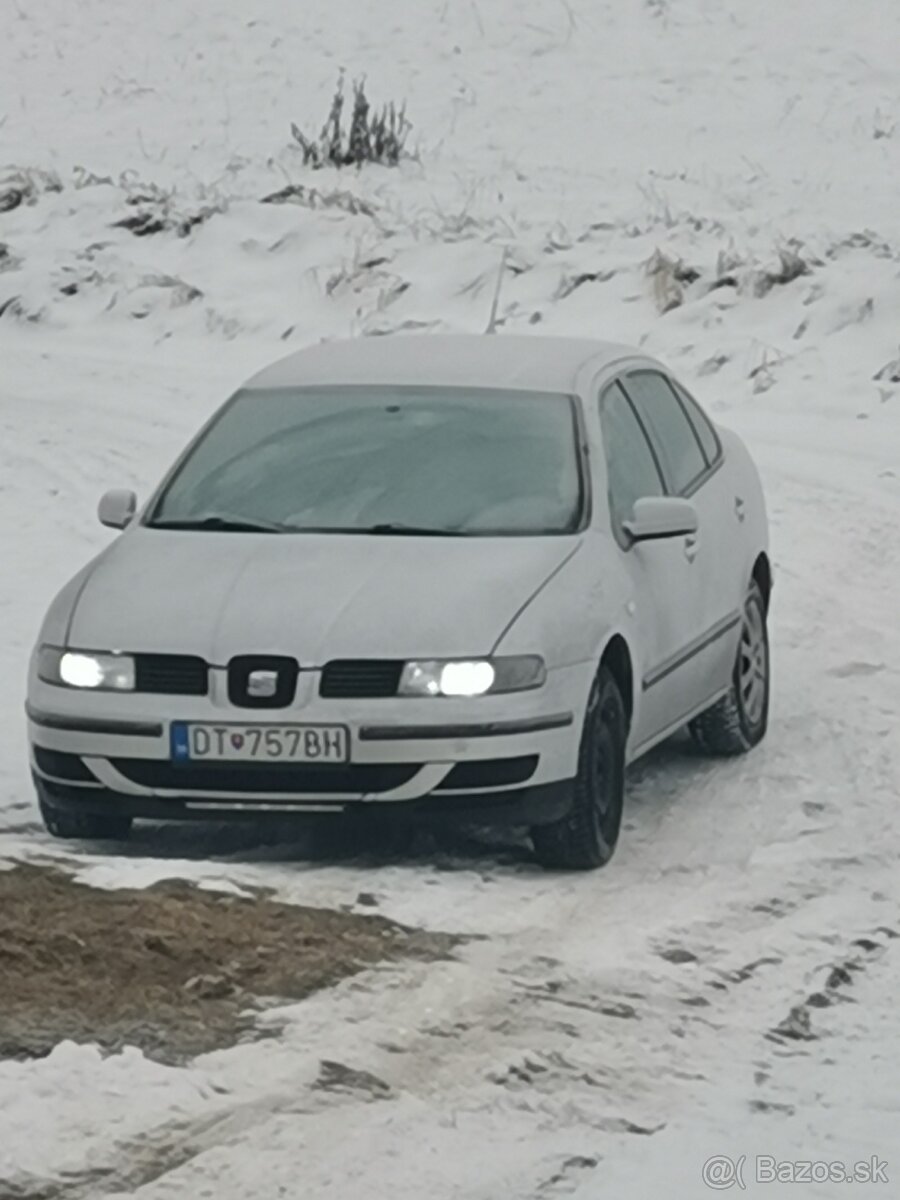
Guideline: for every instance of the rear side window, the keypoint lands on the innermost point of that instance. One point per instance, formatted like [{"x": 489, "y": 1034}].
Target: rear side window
[
  {"x": 631, "y": 468},
  {"x": 677, "y": 446},
  {"x": 700, "y": 421}
]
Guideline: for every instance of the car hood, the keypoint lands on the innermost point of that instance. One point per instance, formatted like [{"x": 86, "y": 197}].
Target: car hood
[{"x": 315, "y": 597}]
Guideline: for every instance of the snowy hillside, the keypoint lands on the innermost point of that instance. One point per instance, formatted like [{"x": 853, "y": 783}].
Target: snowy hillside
[{"x": 715, "y": 180}]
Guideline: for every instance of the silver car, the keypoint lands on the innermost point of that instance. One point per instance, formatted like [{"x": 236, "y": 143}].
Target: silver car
[{"x": 446, "y": 578}]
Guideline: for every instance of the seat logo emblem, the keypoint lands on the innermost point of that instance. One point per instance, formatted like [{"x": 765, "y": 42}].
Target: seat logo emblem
[{"x": 261, "y": 684}]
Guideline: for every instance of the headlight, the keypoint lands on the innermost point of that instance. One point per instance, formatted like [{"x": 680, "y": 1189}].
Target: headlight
[
  {"x": 472, "y": 677},
  {"x": 84, "y": 669}
]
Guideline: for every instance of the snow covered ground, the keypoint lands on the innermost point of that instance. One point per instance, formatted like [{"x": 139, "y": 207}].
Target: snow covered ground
[{"x": 609, "y": 1033}]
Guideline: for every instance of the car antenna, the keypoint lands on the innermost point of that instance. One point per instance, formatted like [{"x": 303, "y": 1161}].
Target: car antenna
[{"x": 492, "y": 321}]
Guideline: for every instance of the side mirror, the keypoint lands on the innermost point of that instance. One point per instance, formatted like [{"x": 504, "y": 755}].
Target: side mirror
[
  {"x": 117, "y": 508},
  {"x": 658, "y": 517}
]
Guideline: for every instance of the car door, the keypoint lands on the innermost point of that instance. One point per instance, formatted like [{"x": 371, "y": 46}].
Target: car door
[
  {"x": 661, "y": 575},
  {"x": 722, "y": 506},
  {"x": 690, "y": 457}
]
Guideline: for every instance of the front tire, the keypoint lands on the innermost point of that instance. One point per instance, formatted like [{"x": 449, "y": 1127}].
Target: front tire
[
  {"x": 90, "y": 826},
  {"x": 586, "y": 837},
  {"x": 738, "y": 722}
]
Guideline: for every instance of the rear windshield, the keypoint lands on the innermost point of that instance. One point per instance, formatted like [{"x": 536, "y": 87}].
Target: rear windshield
[{"x": 362, "y": 459}]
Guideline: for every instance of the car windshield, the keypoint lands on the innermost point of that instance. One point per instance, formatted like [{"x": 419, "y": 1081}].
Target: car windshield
[{"x": 384, "y": 461}]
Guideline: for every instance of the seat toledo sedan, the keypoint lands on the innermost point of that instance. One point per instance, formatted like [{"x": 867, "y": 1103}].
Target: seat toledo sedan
[{"x": 445, "y": 578}]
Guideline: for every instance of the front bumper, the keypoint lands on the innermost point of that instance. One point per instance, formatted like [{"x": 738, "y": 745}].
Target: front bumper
[
  {"x": 503, "y": 759},
  {"x": 537, "y": 805}
]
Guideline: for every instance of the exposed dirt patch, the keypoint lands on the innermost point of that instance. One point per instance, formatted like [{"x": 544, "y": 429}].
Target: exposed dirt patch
[{"x": 173, "y": 969}]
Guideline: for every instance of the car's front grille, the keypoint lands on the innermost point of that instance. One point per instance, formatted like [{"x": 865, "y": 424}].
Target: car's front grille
[
  {"x": 171, "y": 674},
  {"x": 228, "y": 777},
  {"x": 364, "y": 678},
  {"x": 490, "y": 773},
  {"x": 62, "y": 766}
]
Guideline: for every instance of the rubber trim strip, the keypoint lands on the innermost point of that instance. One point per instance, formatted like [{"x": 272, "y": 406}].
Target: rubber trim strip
[
  {"x": 402, "y": 733},
  {"x": 93, "y": 724},
  {"x": 683, "y": 656}
]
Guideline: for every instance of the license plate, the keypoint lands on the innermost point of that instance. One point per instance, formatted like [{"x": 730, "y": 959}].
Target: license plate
[{"x": 194, "y": 742}]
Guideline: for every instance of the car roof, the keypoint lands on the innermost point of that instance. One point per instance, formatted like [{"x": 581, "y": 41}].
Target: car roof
[{"x": 526, "y": 363}]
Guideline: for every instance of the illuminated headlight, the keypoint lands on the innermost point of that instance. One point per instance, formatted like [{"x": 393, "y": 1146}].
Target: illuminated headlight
[
  {"x": 472, "y": 677},
  {"x": 83, "y": 669}
]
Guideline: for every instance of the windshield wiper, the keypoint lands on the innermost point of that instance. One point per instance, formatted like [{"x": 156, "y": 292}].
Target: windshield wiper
[
  {"x": 401, "y": 530},
  {"x": 220, "y": 523}
]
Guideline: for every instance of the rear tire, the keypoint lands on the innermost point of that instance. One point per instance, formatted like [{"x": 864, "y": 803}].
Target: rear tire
[
  {"x": 738, "y": 722},
  {"x": 586, "y": 837},
  {"x": 91, "y": 827}
]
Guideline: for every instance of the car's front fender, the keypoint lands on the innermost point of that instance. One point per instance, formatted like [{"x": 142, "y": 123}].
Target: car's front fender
[
  {"x": 58, "y": 618},
  {"x": 572, "y": 619}
]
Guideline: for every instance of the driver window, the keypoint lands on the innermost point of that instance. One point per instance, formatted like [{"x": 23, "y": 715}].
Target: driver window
[{"x": 630, "y": 464}]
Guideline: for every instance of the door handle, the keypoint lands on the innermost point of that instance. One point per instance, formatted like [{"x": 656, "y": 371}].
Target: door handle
[
  {"x": 691, "y": 546},
  {"x": 739, "y": 508}
]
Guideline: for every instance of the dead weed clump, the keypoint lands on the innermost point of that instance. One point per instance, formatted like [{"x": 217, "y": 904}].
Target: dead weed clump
[
  {"x": 668, "y": 278},
  {"x": 792, "y": 265},
  {"x": 374, "y": 136},
  {"x": 23, "y": 185}
]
